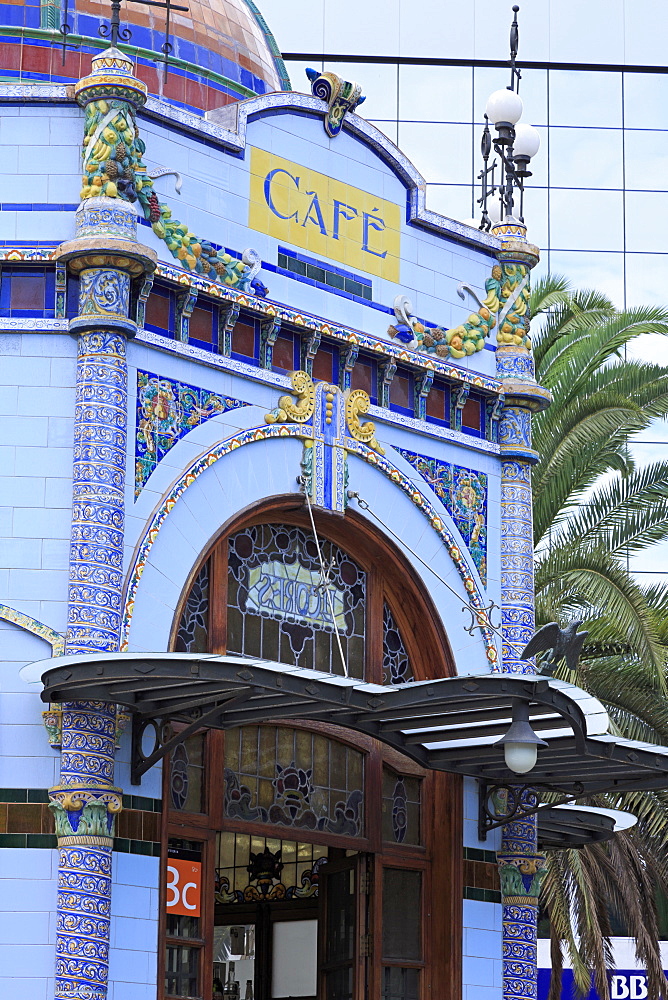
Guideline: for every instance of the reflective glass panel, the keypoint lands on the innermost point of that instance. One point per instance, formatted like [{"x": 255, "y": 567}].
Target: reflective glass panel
[
  {"x": 233, "y": 960},
  {"x": 376, "y": 30},
  {"x": 645, "y": 215},
  {"x": 585, "y": 157},
  {"x": 436, "y": 93},
  {"x": 379, "y": 84},
  {"x": 340, "y": 916},
  {"x": 645, "y": 280},
  {"x": 455, "y": 201},
  {"x": 646, "y": 158},
  {"x": 290, "y": 777},
  {"x": 278, "y": 608},
  {"x": 182, "y": 971},
  {"x": 585, "y": 32},
  {"x": 578, "y": 97},
  {"x": 602, "y": 271},
  {"x": 586, "y": 220},
  {"x": 442, "y": 153},
  {"x": 645, "y": 100}
]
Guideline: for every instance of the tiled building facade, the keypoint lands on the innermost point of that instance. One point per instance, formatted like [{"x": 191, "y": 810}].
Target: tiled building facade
[{"x": 270, "y": 440}]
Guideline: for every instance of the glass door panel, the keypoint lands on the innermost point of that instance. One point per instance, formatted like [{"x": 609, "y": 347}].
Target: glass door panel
[
  {"x": 294, "y": 966},
  {"x": 343, "y": 937},
  {"x": 402, "y": 935},
  {"x": 234, "y": 961}
]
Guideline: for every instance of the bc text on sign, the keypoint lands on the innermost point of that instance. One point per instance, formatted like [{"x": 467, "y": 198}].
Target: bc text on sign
[
  {"x": 184, "y": 887},
  {"x": 330, "y": 218}
]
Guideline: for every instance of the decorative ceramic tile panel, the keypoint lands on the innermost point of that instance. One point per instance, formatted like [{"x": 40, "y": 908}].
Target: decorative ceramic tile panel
[
  {"x": 464, "y": 494},
  {"x": 166, "y": 411}
]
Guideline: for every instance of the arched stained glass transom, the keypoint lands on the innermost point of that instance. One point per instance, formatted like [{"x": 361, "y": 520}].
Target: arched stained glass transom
[
  {"x": 282, "y": 606},
  {"x": 270, "y": 591}
]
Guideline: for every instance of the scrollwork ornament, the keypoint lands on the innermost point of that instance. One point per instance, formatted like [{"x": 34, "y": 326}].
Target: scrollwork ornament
[
  {"x": 357, "y": 401},
  {"x": 291, "y": 411},
  {"x": 340, "y": 95}
]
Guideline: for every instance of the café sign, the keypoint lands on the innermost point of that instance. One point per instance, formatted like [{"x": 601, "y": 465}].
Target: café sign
[
  {"x": 310, "y": 210},
  {"x": 290, "y": 592}
]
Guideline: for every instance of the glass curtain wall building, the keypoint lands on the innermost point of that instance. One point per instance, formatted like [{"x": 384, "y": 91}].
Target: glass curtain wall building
[{"x": 594, "y": 83}]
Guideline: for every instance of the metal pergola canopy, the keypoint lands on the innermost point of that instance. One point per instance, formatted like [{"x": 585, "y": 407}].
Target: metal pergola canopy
[
  {"x": 450, "y": 724},
  {"x": 568, "y": 826}
]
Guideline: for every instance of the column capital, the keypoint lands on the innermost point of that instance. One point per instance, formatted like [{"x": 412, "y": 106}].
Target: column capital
[
  {"x": 112, "y": 77},
  {"x": 106, "y": 236},
  {"x": 84, "y": 813},
  {"x": 521, "y": 877}
]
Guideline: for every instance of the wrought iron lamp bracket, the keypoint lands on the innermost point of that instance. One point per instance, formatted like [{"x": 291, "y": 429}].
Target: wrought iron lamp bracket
[
  {"x": 520, "y": 800},
  {"x": 165, "y": 739}
]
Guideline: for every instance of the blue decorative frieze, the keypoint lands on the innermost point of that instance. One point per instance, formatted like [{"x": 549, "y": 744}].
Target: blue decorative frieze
[
  {"x": 463, "y": 493},
  {"x": 166, "y": 411}
]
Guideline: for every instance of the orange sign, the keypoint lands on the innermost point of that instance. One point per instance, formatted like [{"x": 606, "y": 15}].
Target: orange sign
[{"x": 184, "y": 887}]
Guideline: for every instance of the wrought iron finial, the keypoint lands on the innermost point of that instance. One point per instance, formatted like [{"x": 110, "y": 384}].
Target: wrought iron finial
[
  {"x": 513, "y": 166},
  {"x": 115, "y": 32},
  {"x": 166, "y": 48},
  {"x": 515, "y": 74},
  {"x": 65, "y": 29},
  {"x": 486, "y": 177}
]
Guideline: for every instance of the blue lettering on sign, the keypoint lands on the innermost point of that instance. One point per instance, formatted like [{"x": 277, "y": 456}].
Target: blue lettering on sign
[
  {"x": 625, "y": 984},
  {"x": 340, "y": 212},
  {"x": 267, "y": 192},
  {"x": 314, "y": 214},
  {"x": 316, "y": 218},
  {"x": 372, "y": 221}
]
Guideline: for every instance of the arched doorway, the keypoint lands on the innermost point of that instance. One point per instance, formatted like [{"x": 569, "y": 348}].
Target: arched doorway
[{"x": 330, "y": 864}]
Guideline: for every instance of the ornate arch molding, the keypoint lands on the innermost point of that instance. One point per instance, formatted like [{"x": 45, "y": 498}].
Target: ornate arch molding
[
  {"x": 329, "y": 424},
  {"x": 419, "y": 622},
  {"x": 28, "y": 624}
]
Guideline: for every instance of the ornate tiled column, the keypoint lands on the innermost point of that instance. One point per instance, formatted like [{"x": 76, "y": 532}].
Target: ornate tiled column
[
  {"x": 106, "y": 256},
  {"x": 521, "y": 867}
]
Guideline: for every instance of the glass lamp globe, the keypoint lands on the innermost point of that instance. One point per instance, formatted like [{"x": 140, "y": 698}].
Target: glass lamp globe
[
  {"x": 494, "y": 210},
  {"x": 504, "y": 107},
  {"x": 520, "y": 757},
  {"x": 527, "y": 141}
]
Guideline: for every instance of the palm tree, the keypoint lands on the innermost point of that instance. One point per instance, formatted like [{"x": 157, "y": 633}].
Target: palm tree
[{"x": 593, "y": 509}]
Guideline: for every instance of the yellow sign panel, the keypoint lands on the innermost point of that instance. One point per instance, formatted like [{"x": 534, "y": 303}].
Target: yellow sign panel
[{"x": 328, "y": 217}]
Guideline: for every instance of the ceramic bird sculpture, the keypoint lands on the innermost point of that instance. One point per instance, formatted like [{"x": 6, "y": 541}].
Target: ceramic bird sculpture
[{"x": 564, "y": 643}]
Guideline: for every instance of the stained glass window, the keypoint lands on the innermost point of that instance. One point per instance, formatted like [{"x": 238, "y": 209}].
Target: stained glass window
[
  {"x": 401, "y": 808},
  {"x": 280, "y": 608},
  {"x": 294, "y": 778},
  {"x": 396, "y": 665},
  {"x": 192, "y": 636},
  {"x": 252, "y": 868},
  {"x": 187, "y": 774}
]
